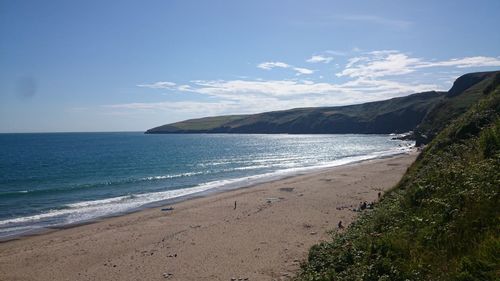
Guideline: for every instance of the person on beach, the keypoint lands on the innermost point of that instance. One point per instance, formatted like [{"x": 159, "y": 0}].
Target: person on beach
[
  {"x": 234, "y": 205},
  {"x": 340, "y": 225}
]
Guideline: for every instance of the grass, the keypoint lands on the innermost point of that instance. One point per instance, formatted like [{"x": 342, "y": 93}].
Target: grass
[{"x": 207, "y": 123}]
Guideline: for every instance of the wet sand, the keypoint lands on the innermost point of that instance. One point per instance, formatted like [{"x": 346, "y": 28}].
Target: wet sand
[{"x": 264, "y": 238}]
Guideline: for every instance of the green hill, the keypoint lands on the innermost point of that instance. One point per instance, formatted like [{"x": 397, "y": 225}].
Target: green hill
[
  {"x": 442, "y": 221},
  {"x": 396, "y": 115}
]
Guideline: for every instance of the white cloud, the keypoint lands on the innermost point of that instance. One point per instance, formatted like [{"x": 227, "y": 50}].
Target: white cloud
[
  {"x": 354, "y": 60},
  {"x": 301, "y": 70},
  {"x": 241, "y": 89},
  {"x": 158, "y": 85},
  {"x": 184, "y": 88},
  {"x": 320, "y": 58},
  {"x": 271, "y": 65},
  {"x": 477, "y": 61},
  {"x": 336, "y": 53},
  {"x": 379, "y": 64},
  {"x": 277, "y": 64},
  {"x": 252, "y": 96},
  {"x": 395, "y": 63},
  {"x": 355, "y": 91}
]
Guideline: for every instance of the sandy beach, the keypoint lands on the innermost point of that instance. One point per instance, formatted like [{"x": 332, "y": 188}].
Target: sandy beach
[{"x": 265, "y": 237}]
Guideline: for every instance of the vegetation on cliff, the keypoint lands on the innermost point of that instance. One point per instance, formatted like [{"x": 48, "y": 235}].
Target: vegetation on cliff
[{"x": 442, "y": 221}]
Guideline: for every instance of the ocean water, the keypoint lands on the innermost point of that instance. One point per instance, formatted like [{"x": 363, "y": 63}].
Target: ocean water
[{"x": 50, "y": 180}]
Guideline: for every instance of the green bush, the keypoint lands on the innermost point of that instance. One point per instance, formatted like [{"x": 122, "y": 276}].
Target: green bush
[{"x": 489, "y": 140}]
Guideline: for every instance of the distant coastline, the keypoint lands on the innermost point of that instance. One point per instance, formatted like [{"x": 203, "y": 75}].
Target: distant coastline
[{"x": 397, "y": 115}]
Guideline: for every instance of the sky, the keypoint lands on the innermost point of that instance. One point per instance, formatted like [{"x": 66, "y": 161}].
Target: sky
[{"x": 71, "y": 66}]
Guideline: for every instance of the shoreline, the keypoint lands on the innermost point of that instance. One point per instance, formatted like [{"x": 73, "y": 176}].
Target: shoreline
[
  {"x": 233, "y": 184},
  {"x": 279, "y": 219}
]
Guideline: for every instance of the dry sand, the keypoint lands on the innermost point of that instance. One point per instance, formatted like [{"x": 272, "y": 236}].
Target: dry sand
[{"x": 206, "y": 238}]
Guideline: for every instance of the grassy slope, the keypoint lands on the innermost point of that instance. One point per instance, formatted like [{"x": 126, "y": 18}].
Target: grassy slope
[
  {"x": 366, "y": 114},
  {"x": 376, "y": 117},
  {"x": 206, "y": 123},
  {"x": 441, "y": 222}
]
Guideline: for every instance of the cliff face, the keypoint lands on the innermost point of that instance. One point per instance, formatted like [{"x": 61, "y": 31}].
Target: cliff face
[
  {"x": 466, "y": 91},
  {"x": 466, "y": 81}
]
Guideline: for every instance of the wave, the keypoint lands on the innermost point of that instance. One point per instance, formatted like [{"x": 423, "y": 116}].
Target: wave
[
  {"x": 7, "y": 193},
  {"x": 86, "y": 210},
  {"x": 171, "y": 176},
  {"x": 97, "y": 184}
]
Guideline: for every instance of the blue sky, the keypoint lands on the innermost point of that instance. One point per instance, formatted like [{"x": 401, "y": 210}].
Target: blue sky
[{"x": 133, "y": 65}]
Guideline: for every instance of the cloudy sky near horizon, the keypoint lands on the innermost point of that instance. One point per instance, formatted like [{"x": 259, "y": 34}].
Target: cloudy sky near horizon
[{"x": 133, "y": 65}]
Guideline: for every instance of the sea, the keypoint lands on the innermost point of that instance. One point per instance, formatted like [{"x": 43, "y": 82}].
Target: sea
[{"x": 53, "y": 180}]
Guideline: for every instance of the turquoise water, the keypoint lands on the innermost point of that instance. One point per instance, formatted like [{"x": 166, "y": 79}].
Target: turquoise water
[{"x": 63, "y": 178}]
